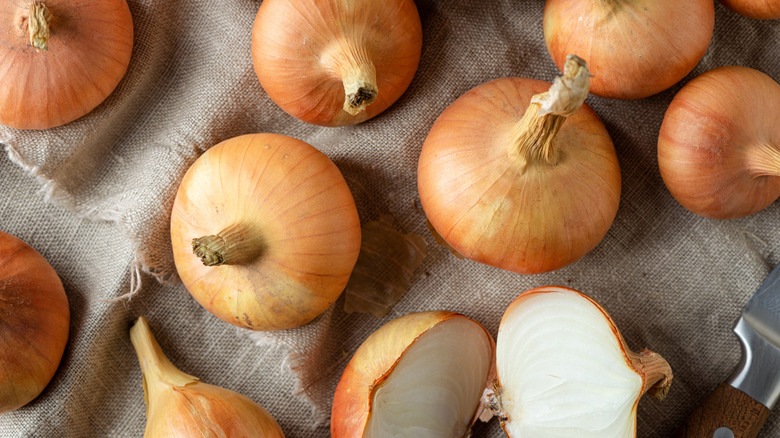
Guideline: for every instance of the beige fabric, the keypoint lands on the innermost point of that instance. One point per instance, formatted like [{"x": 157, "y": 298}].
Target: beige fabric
[{"x": 673, "y": 281}]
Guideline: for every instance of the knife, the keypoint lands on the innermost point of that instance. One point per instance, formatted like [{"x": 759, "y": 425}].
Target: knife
[{"x": 739, "y": 407}]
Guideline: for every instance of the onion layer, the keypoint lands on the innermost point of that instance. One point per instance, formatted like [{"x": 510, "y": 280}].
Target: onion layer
[{"x": 719, "y": 144}]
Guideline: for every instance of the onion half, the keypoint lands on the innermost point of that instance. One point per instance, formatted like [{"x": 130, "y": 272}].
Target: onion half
[{"x": 418, "y": 376}]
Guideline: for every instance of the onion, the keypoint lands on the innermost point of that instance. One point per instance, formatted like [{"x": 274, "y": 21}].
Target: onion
[
  {"x": 635, "y": 48},
  {"x": 34, "y": 321},
  {"x": 420, "y": 375},
  {"x": 564, "y": 370},
  {"x": 760, "y": 9},
  {"x": 719, "y": 144},
  {"x": 60, "y": 58},
  {"x": 520, "y": 180},
  {"x": 265, "y": 232},
  {"x": 336, "y": 63},
  {"x": 179, "y": 405}
]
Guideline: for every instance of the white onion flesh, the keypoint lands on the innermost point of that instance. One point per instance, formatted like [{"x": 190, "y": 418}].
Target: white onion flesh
[
  {"x": 434, "y": 389},
  {"x": 563, "y": 371}
]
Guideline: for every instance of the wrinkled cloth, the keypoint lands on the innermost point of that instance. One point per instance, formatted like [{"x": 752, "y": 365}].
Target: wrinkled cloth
[{"x": 94, "y": 197}]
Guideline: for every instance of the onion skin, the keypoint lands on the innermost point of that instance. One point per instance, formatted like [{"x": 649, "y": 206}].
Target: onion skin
[
  {"x": 719, "y": 144},
  {"x": 35, "y": 321},
  {"x": 88, "y": 52},
  {"x": 493, "y": 208},
  {"x": 634, "y": 48},
  {"x": 371, "y": 365},
  {"x": 301, "y": 50},
  {"x": 301, "y": 220},
  {"x": 758, "y": 9}
]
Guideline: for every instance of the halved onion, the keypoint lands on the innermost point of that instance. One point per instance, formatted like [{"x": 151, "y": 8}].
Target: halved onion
[{"x": 421, "y": 375}]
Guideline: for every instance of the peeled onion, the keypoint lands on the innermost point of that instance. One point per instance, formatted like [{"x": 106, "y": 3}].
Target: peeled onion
[
  {"x": 265, "y": 231},
  {"x": 634, "y": 48},
  {"x": 34, "y": 321},
  {"x": 719, "y": 144},
  {"x": 564, "y": 370},
  {"x": 519, "y": 178},
  {"x": 420, "y": 375},
  {"x": 336, "y": 63},
  {"x": 760, "y": 9}
]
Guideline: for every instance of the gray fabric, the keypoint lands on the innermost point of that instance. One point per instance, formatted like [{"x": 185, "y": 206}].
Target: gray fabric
[{"x": 674, "y": 282}]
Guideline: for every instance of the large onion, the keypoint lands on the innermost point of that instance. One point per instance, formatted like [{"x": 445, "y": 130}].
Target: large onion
[
  {"x": 634, "y": 48},
  {"x": 420, "y": 375},
  {"x": 719, "y": 145},
  {"x": 564, "y": 370},
  {"x": 34, "y": 321},
  {"x": 265, "y": 231},
  {"x": 520, "y": 179},
  {"x": 336, "y": 63},
  {"x": 760, "y": 9}
]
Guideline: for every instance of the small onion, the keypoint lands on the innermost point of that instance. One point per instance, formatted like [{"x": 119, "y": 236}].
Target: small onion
[
  {"x": 336, "y": 63},
  {"x": 520, "y": 179},
  {"x": 719, "y": 144},
  {"x": 420, "y": 375},
  {"x": 760, "y": 9},
  {"x": 635, "y": 48},
  {"x": 265, "y": 231},
  {"x": 180, "y": 406},
  {"x": 60, "y": 58},
  {"x": 564, "y": 369},
  {"x": 34, "y": 321}
]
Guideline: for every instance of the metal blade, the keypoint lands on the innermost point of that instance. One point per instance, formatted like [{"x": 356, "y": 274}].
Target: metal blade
[{"x": 762, "y": 312}]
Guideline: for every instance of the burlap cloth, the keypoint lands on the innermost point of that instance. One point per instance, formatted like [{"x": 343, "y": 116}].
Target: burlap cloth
[{"x": 673, "y": 281}]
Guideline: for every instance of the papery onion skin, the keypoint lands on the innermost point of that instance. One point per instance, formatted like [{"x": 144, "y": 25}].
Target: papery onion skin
[
  {"x": 758, "y": 9},
  {"x": 634, "y": 48},
  {"x": 88, "y": 53},
  {"x": 480, "y": 199},
  {"x": 719, "y": 143},
  {"x": 372, "y": 364},
  {"x": 295, "y": 203},
  {"x": 302, "y": 48},
  {"x": 35, "y": 322}
]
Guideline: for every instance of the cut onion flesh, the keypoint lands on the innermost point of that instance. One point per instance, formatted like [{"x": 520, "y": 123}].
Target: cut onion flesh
[
  {"x": 564, "y": 369},
  {"x": 435, "y": 387}
]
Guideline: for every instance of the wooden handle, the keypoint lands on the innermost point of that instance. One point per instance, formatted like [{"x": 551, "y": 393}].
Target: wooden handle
[{"x": 726, "y": 407}]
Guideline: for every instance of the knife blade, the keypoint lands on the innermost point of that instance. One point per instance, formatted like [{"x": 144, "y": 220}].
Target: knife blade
[{"x": 739, "y": 407}]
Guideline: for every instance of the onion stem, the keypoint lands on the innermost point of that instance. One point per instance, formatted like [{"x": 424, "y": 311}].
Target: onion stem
[
  {"x": 236, "y": 244},
  {"x": 764, "y": 161},
  {"x": 38, "y": 25},
  {"x": 656, "y": 372},
  {"x": 358, "y": 74},
  {"x": 534, "y": 135}
]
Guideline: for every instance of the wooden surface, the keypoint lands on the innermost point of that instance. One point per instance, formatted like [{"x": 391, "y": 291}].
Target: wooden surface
[{"x": 725, "y": 407}]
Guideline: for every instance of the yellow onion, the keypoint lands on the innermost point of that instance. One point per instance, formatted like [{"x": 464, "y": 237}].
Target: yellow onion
[
  {"x": 519, "y": 178},
  {"x": 634, "y": 48},
  {"x": 34, "y": 321},
  {"x": 565, "y": 370},
  {"x": 180, "y": 406},
  {"x": 336, "y": 63},
  {"x": 719, "y": 144},
  {"x": 265, "y": 231},
  {"x": 422, "y": 374},
  {"x": 760, "y": 9}
]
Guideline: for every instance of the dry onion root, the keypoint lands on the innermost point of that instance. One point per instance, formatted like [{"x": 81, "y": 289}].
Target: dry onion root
[
  {"x": 34, "y": 322},
  {"x": 180, "y": 406},
  {"x": 61, "y": 59},
  {"x": 719, "y": 144},
  {"x": 265, "y": 231},
  {"x": 759, "y": 9},
  {"x": 420, "y": 375},
  {"x": 519, "y": 178},
  {"x": 336, "y": 63},
  {"x": 564, "y": 370},
  {"x": 635, "y": 48}
]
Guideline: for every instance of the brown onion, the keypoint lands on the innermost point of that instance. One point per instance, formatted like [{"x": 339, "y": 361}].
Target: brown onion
[
  {"x": 760, "y": 9},
  {"x": 634, "y": 48},
  {"x": 265, "y": 231},
  {"x": 719, "y": 145},
  {"x": 508, "y": 185},
  {"x": 34, "y": 321},
  {"x": 336, "y": 63},
  {"x": 60, "y": 58}
]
